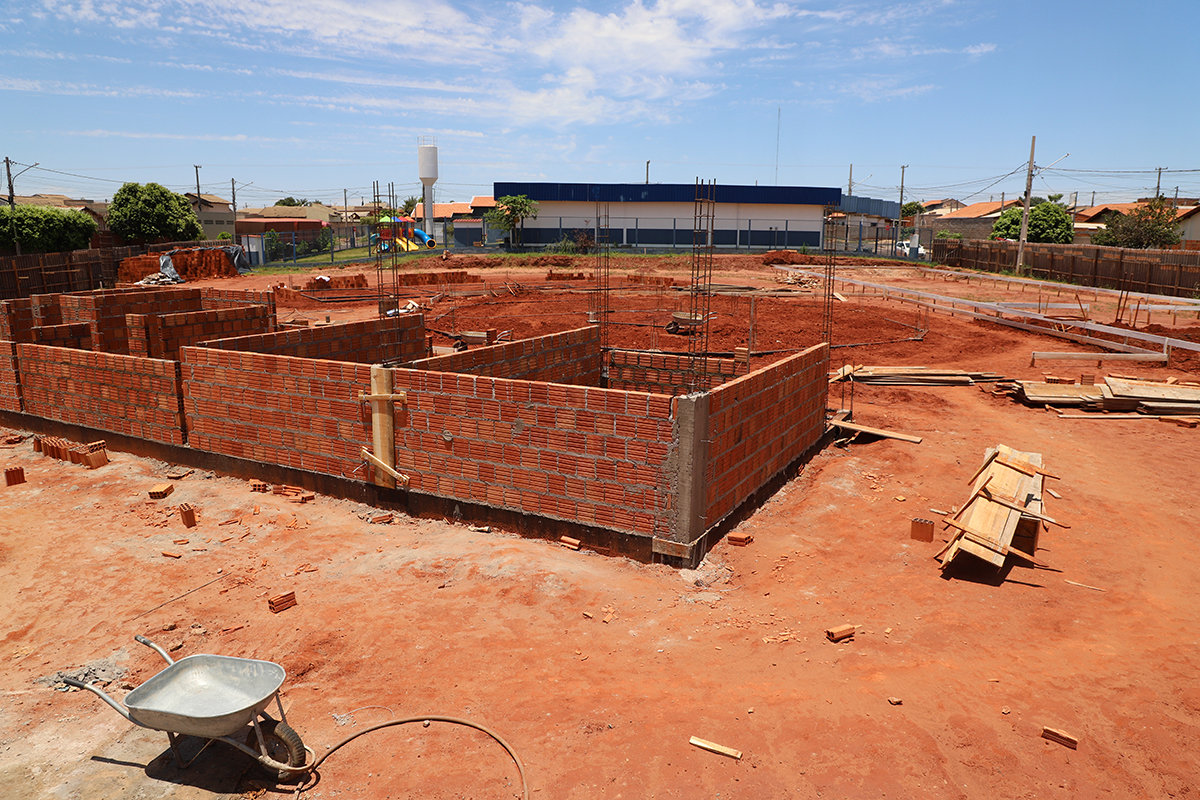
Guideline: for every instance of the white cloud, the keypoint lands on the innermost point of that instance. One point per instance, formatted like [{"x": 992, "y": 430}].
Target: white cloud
[{"x": 522, "y": 63}]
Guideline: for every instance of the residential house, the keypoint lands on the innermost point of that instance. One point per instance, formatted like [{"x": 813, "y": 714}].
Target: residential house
[{"x": 216, "y": 215}]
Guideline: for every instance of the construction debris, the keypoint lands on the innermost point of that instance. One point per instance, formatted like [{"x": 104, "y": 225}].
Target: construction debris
[
  {"x": 188, "y": 515},
  {"x": 922, "y": 530},
  {"x": 1060, "y": 737},
  {"x": 1004, "y": 513},
  {"x": 570, "y": 543},
  {"x": 160, "y": 490},
  {"x": 740, "y": 539},
  {"x": 281, "y": 602},
  {"x": 840, "y": 632}
]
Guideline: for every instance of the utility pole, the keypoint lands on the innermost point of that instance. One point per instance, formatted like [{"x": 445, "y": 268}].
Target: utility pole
[
  {"x": 12, "y": 206},
  {"x": 900, "y": 222},
  {"x": 1025, "y": 213},
  {"x": 1158, "y": 181},
  {"x": 647, "y": 172},
  {"x": 197, "y": 166},
  {"x": 233, "y": 191},
  {"x": 850, "y": 182}
]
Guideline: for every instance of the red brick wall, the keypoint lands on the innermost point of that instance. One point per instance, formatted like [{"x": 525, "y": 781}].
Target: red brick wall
[
  {"x": 161, "y": 336},
  {"x": 369, "y": 342},
  {"x": 77, "y": 335},
  {"x": 663, "y": 372},
  {"x": 106, "y": 311},
  {"x": 759, "y": 423},
  {"x": 236, "y": 298},
  {"x": 587, "y": 455},
  {"x": 570, "y": 357},
  {"x": 134, "y": 396},
  {"x": 277, "y": 409},
  {"x": 16, "y": 318},
  {"x": 10, "y": 381}
]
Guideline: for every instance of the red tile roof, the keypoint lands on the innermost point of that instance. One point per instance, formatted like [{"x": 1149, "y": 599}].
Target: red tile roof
[{"x": 977, "y": 210}]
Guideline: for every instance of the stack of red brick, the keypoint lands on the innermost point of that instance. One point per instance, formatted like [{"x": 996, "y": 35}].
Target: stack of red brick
[
  {"x": 358, "y": 281},
  {"x": 91, "y": 455},
  {"x": 134, "y": 268},
  {"x": 202, "y": 262}
]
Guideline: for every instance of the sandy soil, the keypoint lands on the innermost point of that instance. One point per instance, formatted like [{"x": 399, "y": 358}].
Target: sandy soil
[{"x": 430, "y": 617}]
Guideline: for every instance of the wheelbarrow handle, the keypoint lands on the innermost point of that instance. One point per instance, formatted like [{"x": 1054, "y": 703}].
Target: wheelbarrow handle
[
  {"x": 143, "y": 640},
  {"x": 96, "y": 690}
]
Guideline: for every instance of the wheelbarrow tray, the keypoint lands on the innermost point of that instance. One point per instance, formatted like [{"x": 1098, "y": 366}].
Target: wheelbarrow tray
[{"x": 205, "y": 695}]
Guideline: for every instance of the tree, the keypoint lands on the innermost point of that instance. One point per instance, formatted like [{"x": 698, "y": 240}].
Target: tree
[
  {"x": 1048, "y": 222},
  {"x": 43, "y": 229},
  {"x": 152, "y": 213},
  {"x": 1150, "y": 225},
  {"x": 291, "y": 201},
  {"x": 410, "y": 203},
  {"x": 911, "y": 209},
  {"x": 510, "y": 213}
]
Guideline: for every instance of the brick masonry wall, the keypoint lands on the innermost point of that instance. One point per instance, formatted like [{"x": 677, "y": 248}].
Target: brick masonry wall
[
  {"x": 106, "y": 311},
  {"x": 370, "y": 342},
  {"x": 761, "y": 422},
  {"x": 77, "y": 335},
  {"x": 586, "y": 455},
  {"x": 10, "y": 377},
  {"x": 277, "y": 409},
  {"x": 215, "y": 299},
  {"x": 16, "y": 319},
  {"x": 664, "y": 372},
  {"x": 161, "y": 336},
  {"x": 570, "y": 357},
  {"x": 124, "y": 394}
]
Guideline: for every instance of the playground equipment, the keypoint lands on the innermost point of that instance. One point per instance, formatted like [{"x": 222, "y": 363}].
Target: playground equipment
[
  {"x": 425, "y": 238},
  {"x": 398, "y": 233}
]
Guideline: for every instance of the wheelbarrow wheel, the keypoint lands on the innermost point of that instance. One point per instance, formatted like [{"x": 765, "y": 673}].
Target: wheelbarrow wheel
[{"x": 283, "y": 745}]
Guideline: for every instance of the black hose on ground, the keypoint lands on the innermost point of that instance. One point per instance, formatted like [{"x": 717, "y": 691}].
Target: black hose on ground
[{"x": 405, "y": 720}]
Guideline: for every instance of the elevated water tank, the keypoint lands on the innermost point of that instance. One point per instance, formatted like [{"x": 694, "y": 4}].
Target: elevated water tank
[{"x": 427, "y": 171}]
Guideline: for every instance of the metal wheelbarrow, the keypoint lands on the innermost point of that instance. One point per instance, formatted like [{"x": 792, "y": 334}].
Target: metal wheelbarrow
[{"x": 215, "y": 698}]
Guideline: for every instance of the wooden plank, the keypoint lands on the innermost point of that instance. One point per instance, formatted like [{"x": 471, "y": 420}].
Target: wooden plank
[
  {"x": 713, "y": 747},
  {"x": 668, "y": 547},
  {"x": 991, "y": 544},
  {"x": 1028, "y": 469},
  {"x": 1145, "y": 390},
  {"x": 395, "y": 397},
  {"x": 383, "y": 439},
  {"x": 399, "y": 476},
  {"x": 1098, "y": 357},
  {"x": 851, "y": 426},
  {"x": 1016, "y": 506}
]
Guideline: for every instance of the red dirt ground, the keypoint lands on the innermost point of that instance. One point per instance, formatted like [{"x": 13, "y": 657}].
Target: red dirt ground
[{"x": 430, "y": 617}]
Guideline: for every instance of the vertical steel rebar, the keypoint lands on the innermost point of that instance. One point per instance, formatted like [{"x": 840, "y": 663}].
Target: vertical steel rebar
[{"x": 700, "y": 290}]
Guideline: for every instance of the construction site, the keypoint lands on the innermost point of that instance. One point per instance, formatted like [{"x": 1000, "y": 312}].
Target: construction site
[{"x": 761, "y": 525}]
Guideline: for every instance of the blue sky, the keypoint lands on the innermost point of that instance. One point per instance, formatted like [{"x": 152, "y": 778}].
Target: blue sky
[{"x": 310, "y": 97}]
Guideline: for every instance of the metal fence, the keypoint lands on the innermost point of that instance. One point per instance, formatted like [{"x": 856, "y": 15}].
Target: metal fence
[{"x": 1167, "y": 272}]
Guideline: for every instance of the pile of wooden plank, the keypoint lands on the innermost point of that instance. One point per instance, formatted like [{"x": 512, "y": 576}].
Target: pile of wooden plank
[
  {"x": 1004, "y": 513},
  {"x": 911, "y": 376},
  {"x": 1114, "y": 394}
]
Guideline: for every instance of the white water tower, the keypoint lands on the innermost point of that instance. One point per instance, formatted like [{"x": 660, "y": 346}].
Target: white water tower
[{"x": 427, "y": 171}]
